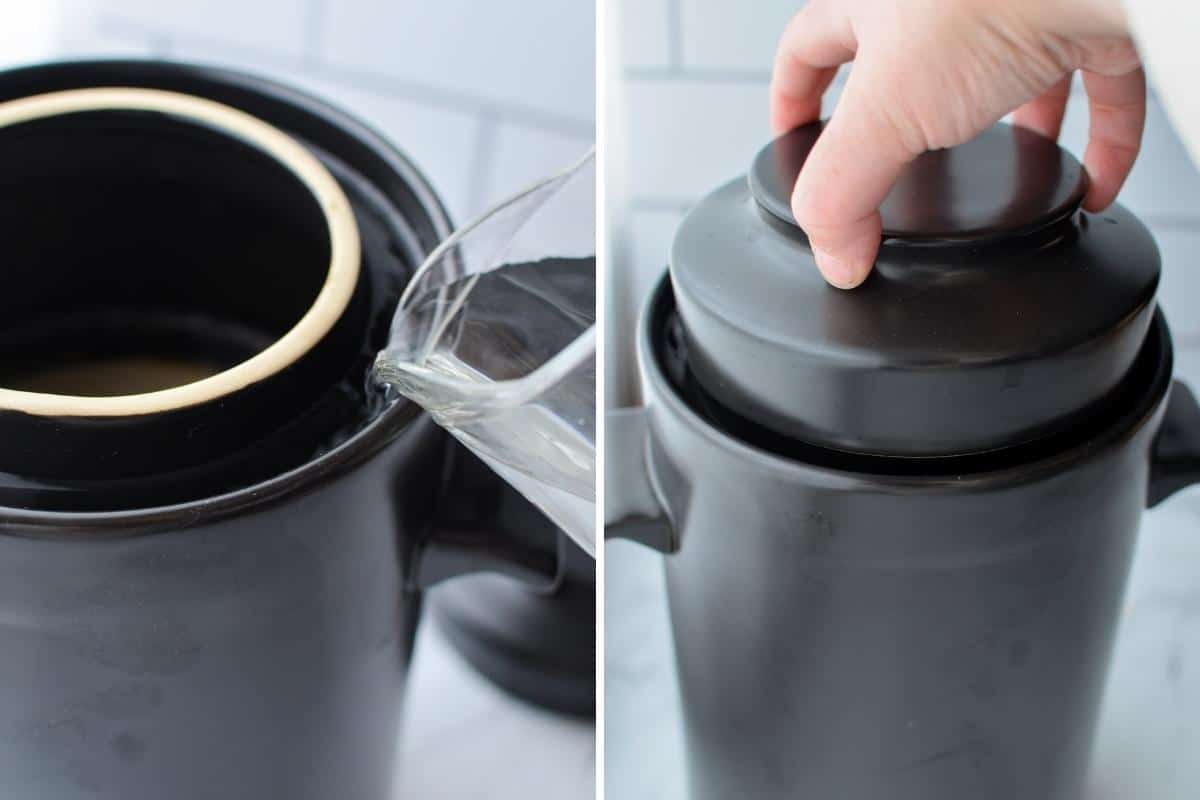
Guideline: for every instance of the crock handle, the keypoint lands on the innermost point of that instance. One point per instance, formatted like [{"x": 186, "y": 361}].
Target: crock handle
[
  {"x": 631, "y": 509},
  {"x": 1175, "y": 456},
  {"x": 484, "y": 525}
]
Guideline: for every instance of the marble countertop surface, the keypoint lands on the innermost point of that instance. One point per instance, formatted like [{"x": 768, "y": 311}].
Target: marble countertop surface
[
  {"x": 1149, "y": 740},
  {"x": 464, "y": 739}
]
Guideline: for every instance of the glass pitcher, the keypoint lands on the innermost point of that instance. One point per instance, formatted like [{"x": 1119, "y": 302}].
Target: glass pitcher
[{"x": 496, "y": 338}]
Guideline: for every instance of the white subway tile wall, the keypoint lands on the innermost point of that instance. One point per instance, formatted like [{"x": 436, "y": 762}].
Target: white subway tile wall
[
  {"x": 730, "y": 36},
  {"x": 694, "y": 79},
  {"x": 650, "y": 231},
  {"x": 275, "y": 26},
  {"x": 651, "y": 235},
  {"x": 647, "y": 27},
  {"x": 688, "y": 136},
  {"x": 435, "y": 137},
  {"x": 1179, "y": 288},
  {"x": 1164, "y": 185},
  {"x": 484, "y": 97},
  {"x": 521, "y": 153},
  {"x": 514, "y": 57}
]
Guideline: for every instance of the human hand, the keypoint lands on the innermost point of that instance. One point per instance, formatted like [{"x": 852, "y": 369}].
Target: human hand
[{"x": 930, "y": 74}]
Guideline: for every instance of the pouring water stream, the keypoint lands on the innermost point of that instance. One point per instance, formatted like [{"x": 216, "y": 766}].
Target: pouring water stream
[{"x": 495, "y": 337}]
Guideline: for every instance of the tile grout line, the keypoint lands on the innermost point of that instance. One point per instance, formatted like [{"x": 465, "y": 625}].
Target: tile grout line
[
  {"x": 694, "y": 75},
  {"x": 463, "y": 102},
  {"x": 675, "y": 34}
]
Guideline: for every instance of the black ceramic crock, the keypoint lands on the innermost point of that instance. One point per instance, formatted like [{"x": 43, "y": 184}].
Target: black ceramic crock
[
  {"x": 883, "y": 626},
  {"x": 239, "y": 622}
]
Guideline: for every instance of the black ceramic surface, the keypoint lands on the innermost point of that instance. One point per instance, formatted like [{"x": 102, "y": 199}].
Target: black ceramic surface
[
  {"x": 969, "y": 192},
  {"x": 131, "y": 236},
  {"x": 251, "y": 642},
  {"x": 203, "y": 283},
  {"x": 869, "y": 630},
  {"x": 997, "y": 312},
  {"x": 538, "y": 646}
]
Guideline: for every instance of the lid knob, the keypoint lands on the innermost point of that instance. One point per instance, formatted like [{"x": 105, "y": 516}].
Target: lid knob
[{"x": 1006, "y": 181}]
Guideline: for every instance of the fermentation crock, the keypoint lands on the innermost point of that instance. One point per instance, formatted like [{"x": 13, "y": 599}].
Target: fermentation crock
[
  {"x": 211, "y": 580},
  {"x": 899, "y": 520}
]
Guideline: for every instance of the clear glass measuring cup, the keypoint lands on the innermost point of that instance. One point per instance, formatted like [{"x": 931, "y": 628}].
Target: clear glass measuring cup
[{"x": 496, "y": 338}]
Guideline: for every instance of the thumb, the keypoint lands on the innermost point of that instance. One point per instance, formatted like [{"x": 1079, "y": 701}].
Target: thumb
[{"x": 847, "y": 174}]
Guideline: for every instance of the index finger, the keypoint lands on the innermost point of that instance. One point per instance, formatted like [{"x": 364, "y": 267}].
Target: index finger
[
  {"x": 849, "y": 171},
  {"x": 814, "y": 44}
]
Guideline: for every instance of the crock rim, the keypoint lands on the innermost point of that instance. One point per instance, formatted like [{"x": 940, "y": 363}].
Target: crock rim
[
  {"x": 1126, "y": 425},
  {"x": 365, "y": 444},
  {"x": 341, "y": 274}
]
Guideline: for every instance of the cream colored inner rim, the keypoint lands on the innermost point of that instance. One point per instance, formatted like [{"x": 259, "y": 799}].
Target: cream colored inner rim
[{"x": 325, "y": 311}]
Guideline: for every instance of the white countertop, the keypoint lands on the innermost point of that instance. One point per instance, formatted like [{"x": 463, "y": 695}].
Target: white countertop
[
  {"x": 1148, "y": 747},
  {"x": 464, "y": 739}
]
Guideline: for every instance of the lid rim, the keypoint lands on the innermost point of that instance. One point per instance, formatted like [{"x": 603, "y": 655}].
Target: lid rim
[
  {"x": 661, "y": 301},
  {"x": 861, "y": 358}
]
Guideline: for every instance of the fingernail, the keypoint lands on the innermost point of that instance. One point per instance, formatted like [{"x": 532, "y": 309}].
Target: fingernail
[{"x": 836, "y": 271}]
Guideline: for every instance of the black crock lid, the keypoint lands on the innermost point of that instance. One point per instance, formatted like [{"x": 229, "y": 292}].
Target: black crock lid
[
  {"x": 997, "y": 311},
  {"x": 1000, "y": 183}
]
